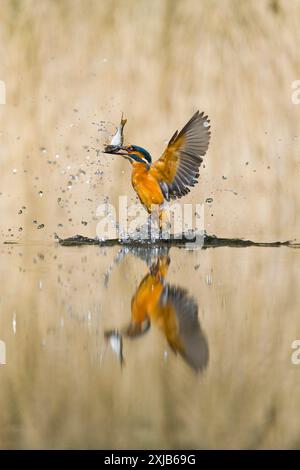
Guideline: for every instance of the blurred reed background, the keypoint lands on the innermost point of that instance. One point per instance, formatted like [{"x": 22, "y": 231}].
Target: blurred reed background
[{"x": 69, "y": 64}]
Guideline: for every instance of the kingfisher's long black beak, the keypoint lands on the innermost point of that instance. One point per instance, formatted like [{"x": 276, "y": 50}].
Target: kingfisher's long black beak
[{"x": 116, "y": 150}]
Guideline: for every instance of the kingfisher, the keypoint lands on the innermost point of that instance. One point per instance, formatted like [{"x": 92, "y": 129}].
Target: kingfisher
[{"x": 175, "y": 172}]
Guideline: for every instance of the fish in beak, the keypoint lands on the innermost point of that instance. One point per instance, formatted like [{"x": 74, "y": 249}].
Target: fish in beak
[{"x": 118, "y": 138}]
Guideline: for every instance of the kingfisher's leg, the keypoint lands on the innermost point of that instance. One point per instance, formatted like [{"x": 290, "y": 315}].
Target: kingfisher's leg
[{"x": 163, "y": 222}]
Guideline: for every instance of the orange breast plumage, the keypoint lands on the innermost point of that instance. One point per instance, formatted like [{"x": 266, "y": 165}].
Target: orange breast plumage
[{"x": 146, "y": 186}]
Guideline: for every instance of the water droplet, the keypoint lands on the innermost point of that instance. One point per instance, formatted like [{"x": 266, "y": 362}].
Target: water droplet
[
  {"x": 209, "y": 200},
  {"x": 14, "y": 323},
  {"x": 40, "y": 226},
  {"x": 41, "y": 193}
]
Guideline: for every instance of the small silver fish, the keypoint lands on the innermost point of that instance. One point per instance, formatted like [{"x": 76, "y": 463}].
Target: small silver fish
[{"x": 118, "y": 138}]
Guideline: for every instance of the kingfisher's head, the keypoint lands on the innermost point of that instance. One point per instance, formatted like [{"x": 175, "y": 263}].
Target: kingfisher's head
[{"x": 133, "y": 153}]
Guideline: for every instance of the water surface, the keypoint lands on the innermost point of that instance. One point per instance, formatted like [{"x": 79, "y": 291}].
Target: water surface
[{"x": 64, "y": 385}]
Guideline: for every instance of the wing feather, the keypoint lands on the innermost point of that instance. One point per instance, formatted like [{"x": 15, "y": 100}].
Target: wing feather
[{"x": 178, "y": 167}]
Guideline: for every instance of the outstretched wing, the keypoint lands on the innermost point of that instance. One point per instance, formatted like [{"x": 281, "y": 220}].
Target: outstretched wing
[{"x": 178, "y": 167}]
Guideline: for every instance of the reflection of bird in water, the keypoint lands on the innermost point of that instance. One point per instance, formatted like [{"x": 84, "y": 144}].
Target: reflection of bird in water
[
  {"x": 173, "y": 311},
  {"x": 172, "y": 175}
]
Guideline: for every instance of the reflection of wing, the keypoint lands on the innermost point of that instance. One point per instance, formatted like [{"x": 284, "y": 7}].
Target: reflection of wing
[
  {"x": 182, "y": 327},
  {"x": 178, "y": 167}
]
